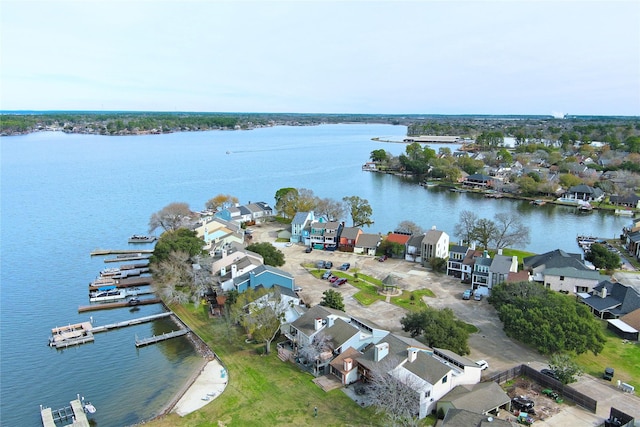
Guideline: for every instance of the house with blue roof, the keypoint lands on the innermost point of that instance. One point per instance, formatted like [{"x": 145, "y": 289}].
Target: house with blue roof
[
  {"x": 262, "y": 275},
  {"x": 300, "y": 227}
]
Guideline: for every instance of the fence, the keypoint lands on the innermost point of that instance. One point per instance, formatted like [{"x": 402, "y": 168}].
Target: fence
[{"x": 546, "y": 381}]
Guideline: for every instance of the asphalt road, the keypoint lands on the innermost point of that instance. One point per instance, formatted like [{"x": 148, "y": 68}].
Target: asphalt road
[{"x": 490, "y": 343}]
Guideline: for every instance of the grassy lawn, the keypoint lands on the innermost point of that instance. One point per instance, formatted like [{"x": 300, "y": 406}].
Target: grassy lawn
[
  {"x": 416, "y": 304},
  {"x": 263, "y": 390},
  {"x": 519, "y": 254},
  {"x": 624, "y": 358}
]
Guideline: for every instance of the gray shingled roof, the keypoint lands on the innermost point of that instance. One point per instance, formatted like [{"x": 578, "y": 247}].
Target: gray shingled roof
[
  {"x": 368, "y": 240},
  {"x": 554, "y": 259},
  {"x": 428, "y": 368},
  {"x": 397, "y": 350},
  {"x": 463, "y": 418},
  {"x": 340, "y": 332},
  {"x": 300, "y": 218},
  {"x": 432, "y": 236},
  {"x": 573, "y": 272},
  {"x": 350, "y": 232},
  {"x": 501, "y": 264},
  {"x": 458, "y": 249},
  {"x": 306, "y": 323},
  {"x": 478, "y": 398}
]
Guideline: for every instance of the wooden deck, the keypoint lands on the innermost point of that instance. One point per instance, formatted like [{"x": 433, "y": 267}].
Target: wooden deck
[
  {"x": 100, "y": 252},
  {"x": 75, "y": 413}
]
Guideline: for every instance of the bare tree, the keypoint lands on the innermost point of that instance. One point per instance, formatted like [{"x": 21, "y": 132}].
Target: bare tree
[
  {"x": 394, "y": 392},
  {"x": 171, "y": 217},
  {"x": 509, "y": 231},
  {"x": 483, "y": 232},
  {"x": 171, "y": 278},
  {"x": 319, "y": 344},
  {"x": 409, "y": 227},
  {"x": 264, "y": 316},
  {"x": 333, "y": 210},
  {"x": 464, "y": 229}
]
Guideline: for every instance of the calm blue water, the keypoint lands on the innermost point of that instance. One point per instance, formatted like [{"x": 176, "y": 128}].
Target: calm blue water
[{"x": 65, "y": 195}]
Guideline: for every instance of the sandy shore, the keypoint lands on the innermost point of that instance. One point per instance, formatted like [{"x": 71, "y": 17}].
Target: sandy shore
[{"x": 211, "y": 381}]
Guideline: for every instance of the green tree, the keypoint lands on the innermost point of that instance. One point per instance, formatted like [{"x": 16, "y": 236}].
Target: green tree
[
  {"x": 527, "y": 185},
  {"x": 567, "y": 180},
  {"x": 439, "y": 328},
  {"x": 565, "y": 368},
  {"x": 263, "y": 316},
  {"x": 439, "y": 265},
  {"x": 332, "y": 299},
  {"x": 283, "y": 198},
  {"x": 180, "y": 240},
  {"x": 469, "y": 165},
  {"x": 601, "y": 257},
  {"x": 360, "y": 210},
  {"x": 505, "y": 156},
  {"x": 270, "y": 254},
  {"x": 414, "y": 323},
  {"x": 549, "y": 321},
  {"x": 379, "y": 156}
]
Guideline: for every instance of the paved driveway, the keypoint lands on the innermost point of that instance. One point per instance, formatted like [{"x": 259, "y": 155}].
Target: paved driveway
[{"x": 490, "y": 343}]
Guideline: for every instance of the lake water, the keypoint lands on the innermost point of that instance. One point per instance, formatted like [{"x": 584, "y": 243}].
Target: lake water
[{"x": 66, "y": 195}]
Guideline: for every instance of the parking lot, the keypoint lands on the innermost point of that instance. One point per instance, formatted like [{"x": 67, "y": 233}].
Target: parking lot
[{"x": 490, "y": 343}]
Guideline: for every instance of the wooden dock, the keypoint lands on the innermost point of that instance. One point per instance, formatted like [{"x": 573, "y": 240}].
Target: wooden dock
[
  {"x": 110, "y": 305},
  {"x": 132, "y": 257},
  {"x": 157, "y": 338},
  {"x": 100, "y": 252},
  {"x": 75, "y": 413},
  {"x": 130, "y": 322},
  {"x": 81, "y": 333}
]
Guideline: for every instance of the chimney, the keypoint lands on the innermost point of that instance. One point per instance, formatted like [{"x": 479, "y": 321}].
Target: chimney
[
  {"x": 223, "y": 271},
  {"x": 603, "y": 293},
  {"x": 381, "y": 350},
  {"x": 348, "y": 364},
  {"x": 318, "y": 324},
  {"x": 412, "y": 353},
  {"x": 234, "y": 271},
  {"x": 500, "y": 251},
  {"x": 485, "y": 254}
]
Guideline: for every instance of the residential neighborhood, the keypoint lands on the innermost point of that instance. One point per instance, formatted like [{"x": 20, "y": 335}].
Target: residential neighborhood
[{"x": 347, "y": 348}]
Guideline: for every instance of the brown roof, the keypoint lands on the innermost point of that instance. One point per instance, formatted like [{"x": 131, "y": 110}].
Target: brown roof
[
  {"x": 350, "y": 353},
  {"x": 518, "y": 276},
  {"x": 632, "y": 319}
]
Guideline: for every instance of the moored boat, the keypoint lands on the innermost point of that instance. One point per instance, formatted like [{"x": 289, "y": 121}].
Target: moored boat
[
  {"x": 140, "y": 238},
  {"x": 110, "y": 293}
]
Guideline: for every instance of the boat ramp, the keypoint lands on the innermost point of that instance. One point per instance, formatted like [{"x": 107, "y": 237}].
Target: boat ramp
[{"x": 76, "y": 413}]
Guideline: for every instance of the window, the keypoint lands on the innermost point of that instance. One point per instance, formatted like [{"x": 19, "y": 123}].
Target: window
[
  {"x": 427, "y": 393},
  {"x": 561, "y": 277},
  {"x": 444, "y": 380}
]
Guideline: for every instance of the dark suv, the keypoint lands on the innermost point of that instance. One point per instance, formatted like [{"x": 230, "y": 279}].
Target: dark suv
[
  {"x": 550, "y": 373},
  {"x": 522, "y": 404}
]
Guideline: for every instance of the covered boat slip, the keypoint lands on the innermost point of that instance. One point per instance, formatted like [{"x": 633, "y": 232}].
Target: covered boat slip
[{"x": 75, "y": 413}]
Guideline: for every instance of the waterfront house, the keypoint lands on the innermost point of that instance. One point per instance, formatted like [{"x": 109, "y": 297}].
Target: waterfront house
[
  {"x": 233, "y": 260},
  {"x": 300, "y": 227},
  {"x": 260, "y": 212},
  {"x": 566, "y": 271},
  {"x": 626, "y": 200},
  {"x": 611, "y": 300},
  {"x": 332, "y": 230},
  {"x": 263, "y": 275},
  {"x": 413, "y": 253},
  {"x": 585, "y": 193},
  {"x": 367, "y": 244},
  {"x": 478, "y": 180},
  {"x": 399, "y": 239},
  {"x": 217, "y": 232},
  {"x": 316, "y": 233},
  {"x": 455, "y": 266},
  {"x": 435, "y": 244},
  {"x": 488, "y": 272},
  {"x": 348, "y": 238}
]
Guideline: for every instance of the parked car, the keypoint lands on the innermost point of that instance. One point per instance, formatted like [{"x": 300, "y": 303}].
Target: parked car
[
  {"x": 340, "y": 281},
  {"x": 326, "y": 275},
  {"x": 308, "y": 250},
  {"x": 523, "y": 404},
  {"x": 345, "y": 266},
  {"x": 608, "y": 374},
  {"x": 467, "y": 294},
  {"x": 383, "y": 258},
  {"x": 477, "y": 296},
  {"x": 483, "y": 364},
  {"x": 320, "y": 264},
  {"x": 332, "y": 279},
  {"x": 328, "y": 264},
  {"x": 550, "y": 373},
  {"x": 298, "y": 289}
]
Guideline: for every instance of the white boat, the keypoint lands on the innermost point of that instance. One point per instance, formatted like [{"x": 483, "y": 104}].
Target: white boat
[
  {"x": 89, "y": 408},
  {"x": 139, "y": 238},
  {"x": 110, "y": 293},
  {"x": 109, "y": 272}
]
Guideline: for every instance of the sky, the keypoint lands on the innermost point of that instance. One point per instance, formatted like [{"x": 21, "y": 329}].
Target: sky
[{"x": 303, "y": 56}]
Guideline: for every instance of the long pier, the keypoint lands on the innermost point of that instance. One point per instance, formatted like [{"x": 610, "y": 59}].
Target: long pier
[
  {"x": 157, "y": 338},
  {"x": 132, "y": 257},
  {"x": 99, "y": 252},
  {"x": 121, "y": 283},
  {"x": 110, "y": 305},
  {"x": 130, "y": 322}
]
